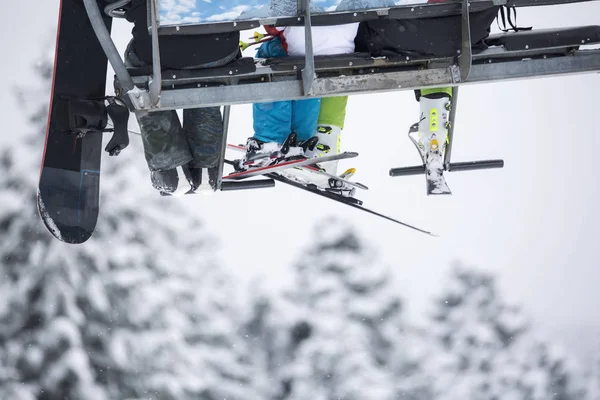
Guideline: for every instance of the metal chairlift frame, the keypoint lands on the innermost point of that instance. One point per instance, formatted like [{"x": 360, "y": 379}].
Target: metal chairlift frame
[
  {"x": 266, "y": 84},
  {"x": 437, "y": 72}
]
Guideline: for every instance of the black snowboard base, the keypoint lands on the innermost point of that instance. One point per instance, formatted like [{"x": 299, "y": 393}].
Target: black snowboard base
[
  {"x": 69, "y": 187},
  {"x": 73, "y": 198}
]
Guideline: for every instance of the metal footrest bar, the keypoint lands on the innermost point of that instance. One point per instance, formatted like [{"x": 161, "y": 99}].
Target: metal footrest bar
[
  {"x": 452, "y": 167},
  {"x": 250, "y": 184},
  {"x": 474, "y": 165},
  {"x": 243, "y": 185}
]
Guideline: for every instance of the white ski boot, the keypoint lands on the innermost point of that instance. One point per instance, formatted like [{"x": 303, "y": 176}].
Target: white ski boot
[
  {"x": 262, "y": 154},
  {"x": 432, "y": 131},
  {"x": 329, "y": 143}
]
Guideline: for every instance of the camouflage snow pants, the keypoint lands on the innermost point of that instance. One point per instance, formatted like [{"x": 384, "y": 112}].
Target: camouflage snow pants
[{"x": 168, "y": 144}]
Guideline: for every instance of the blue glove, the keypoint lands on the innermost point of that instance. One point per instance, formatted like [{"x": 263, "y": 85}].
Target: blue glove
[{"x": 271, "y": 49}]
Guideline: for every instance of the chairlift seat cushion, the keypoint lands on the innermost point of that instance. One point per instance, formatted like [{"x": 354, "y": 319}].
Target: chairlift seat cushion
[
  {"x": 321, "y": 62},
  {"x": 244, "y": 65},
  {"x": 435, "y": 36},
  {"x": 546, "y": 38}
]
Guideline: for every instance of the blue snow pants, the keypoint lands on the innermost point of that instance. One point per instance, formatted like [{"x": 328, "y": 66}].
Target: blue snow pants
[{"x": 274, "y": 121}]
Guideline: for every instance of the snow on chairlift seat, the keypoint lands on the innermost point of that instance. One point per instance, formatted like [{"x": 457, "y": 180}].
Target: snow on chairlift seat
[{"x": 247, "y": 81}]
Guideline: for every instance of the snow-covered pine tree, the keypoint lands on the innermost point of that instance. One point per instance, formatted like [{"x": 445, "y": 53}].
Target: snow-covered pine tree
[
  {"x": 549, "y": 373},
  {"x": 486, "y": 350},
  {"x": 593, "y": 384},
  {"x": 335, "y": 332},
  {"x": 42, "y": 348},
  {"x": 141, "y": 310}
]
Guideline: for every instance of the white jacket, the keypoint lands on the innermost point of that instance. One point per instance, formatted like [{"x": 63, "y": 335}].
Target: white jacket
[{"x": 327, "y": 40}]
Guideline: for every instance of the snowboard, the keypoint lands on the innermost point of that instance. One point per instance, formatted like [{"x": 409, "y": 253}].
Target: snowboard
[{"x": 69, "y": 185}]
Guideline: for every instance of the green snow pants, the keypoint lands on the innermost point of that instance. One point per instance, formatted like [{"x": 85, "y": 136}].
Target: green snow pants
[{"x": 333, "y": 111}]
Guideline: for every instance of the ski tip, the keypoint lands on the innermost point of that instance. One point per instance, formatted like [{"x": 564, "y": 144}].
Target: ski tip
[
  {"x": 428, "y": 233},
  {"x": 240, "y": 147}
]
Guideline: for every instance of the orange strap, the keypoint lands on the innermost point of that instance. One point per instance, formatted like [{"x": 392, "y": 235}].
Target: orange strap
[{"x": 274, "y": 32}]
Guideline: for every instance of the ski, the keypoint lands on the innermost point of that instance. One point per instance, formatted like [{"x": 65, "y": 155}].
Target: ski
[
  {"x": 349, "y": 201},
  {"x": 299, "y": 162},
  {"x": 311, "y": 168}
]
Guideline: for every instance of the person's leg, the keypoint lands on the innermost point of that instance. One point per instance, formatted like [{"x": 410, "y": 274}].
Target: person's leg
[
  {"x": 434, "y": 115},
  {"x": 304, "y": 117},
  {"x": 434, "y": 123},
  {"x": 272, "y": 122},
  {"x": 203, "y": 129},
  {"x": 436, "y": 92},
  {"x": 333, "y": 111},
  {"x": 330, "y": 123},
  {"x": 165, "y": 147}
]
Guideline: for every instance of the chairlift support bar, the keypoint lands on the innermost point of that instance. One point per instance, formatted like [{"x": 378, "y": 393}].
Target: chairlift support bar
[
  {"x": 452, "y": 167},
  {"x": 139, "y": 99},
  {"x": 95, "y": 16},
  {"x": 466, "y": 56},
  {"x": 156, "y": 84},
  {"x": 226, "y": 117},
  {"x": 452, "y": 118},
  {"x": 465, "y": 61},
  {"x": 308, "y": 73}
]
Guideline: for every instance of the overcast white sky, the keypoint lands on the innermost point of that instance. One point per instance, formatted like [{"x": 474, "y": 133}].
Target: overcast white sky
[{"x": 536, "y": 222}]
